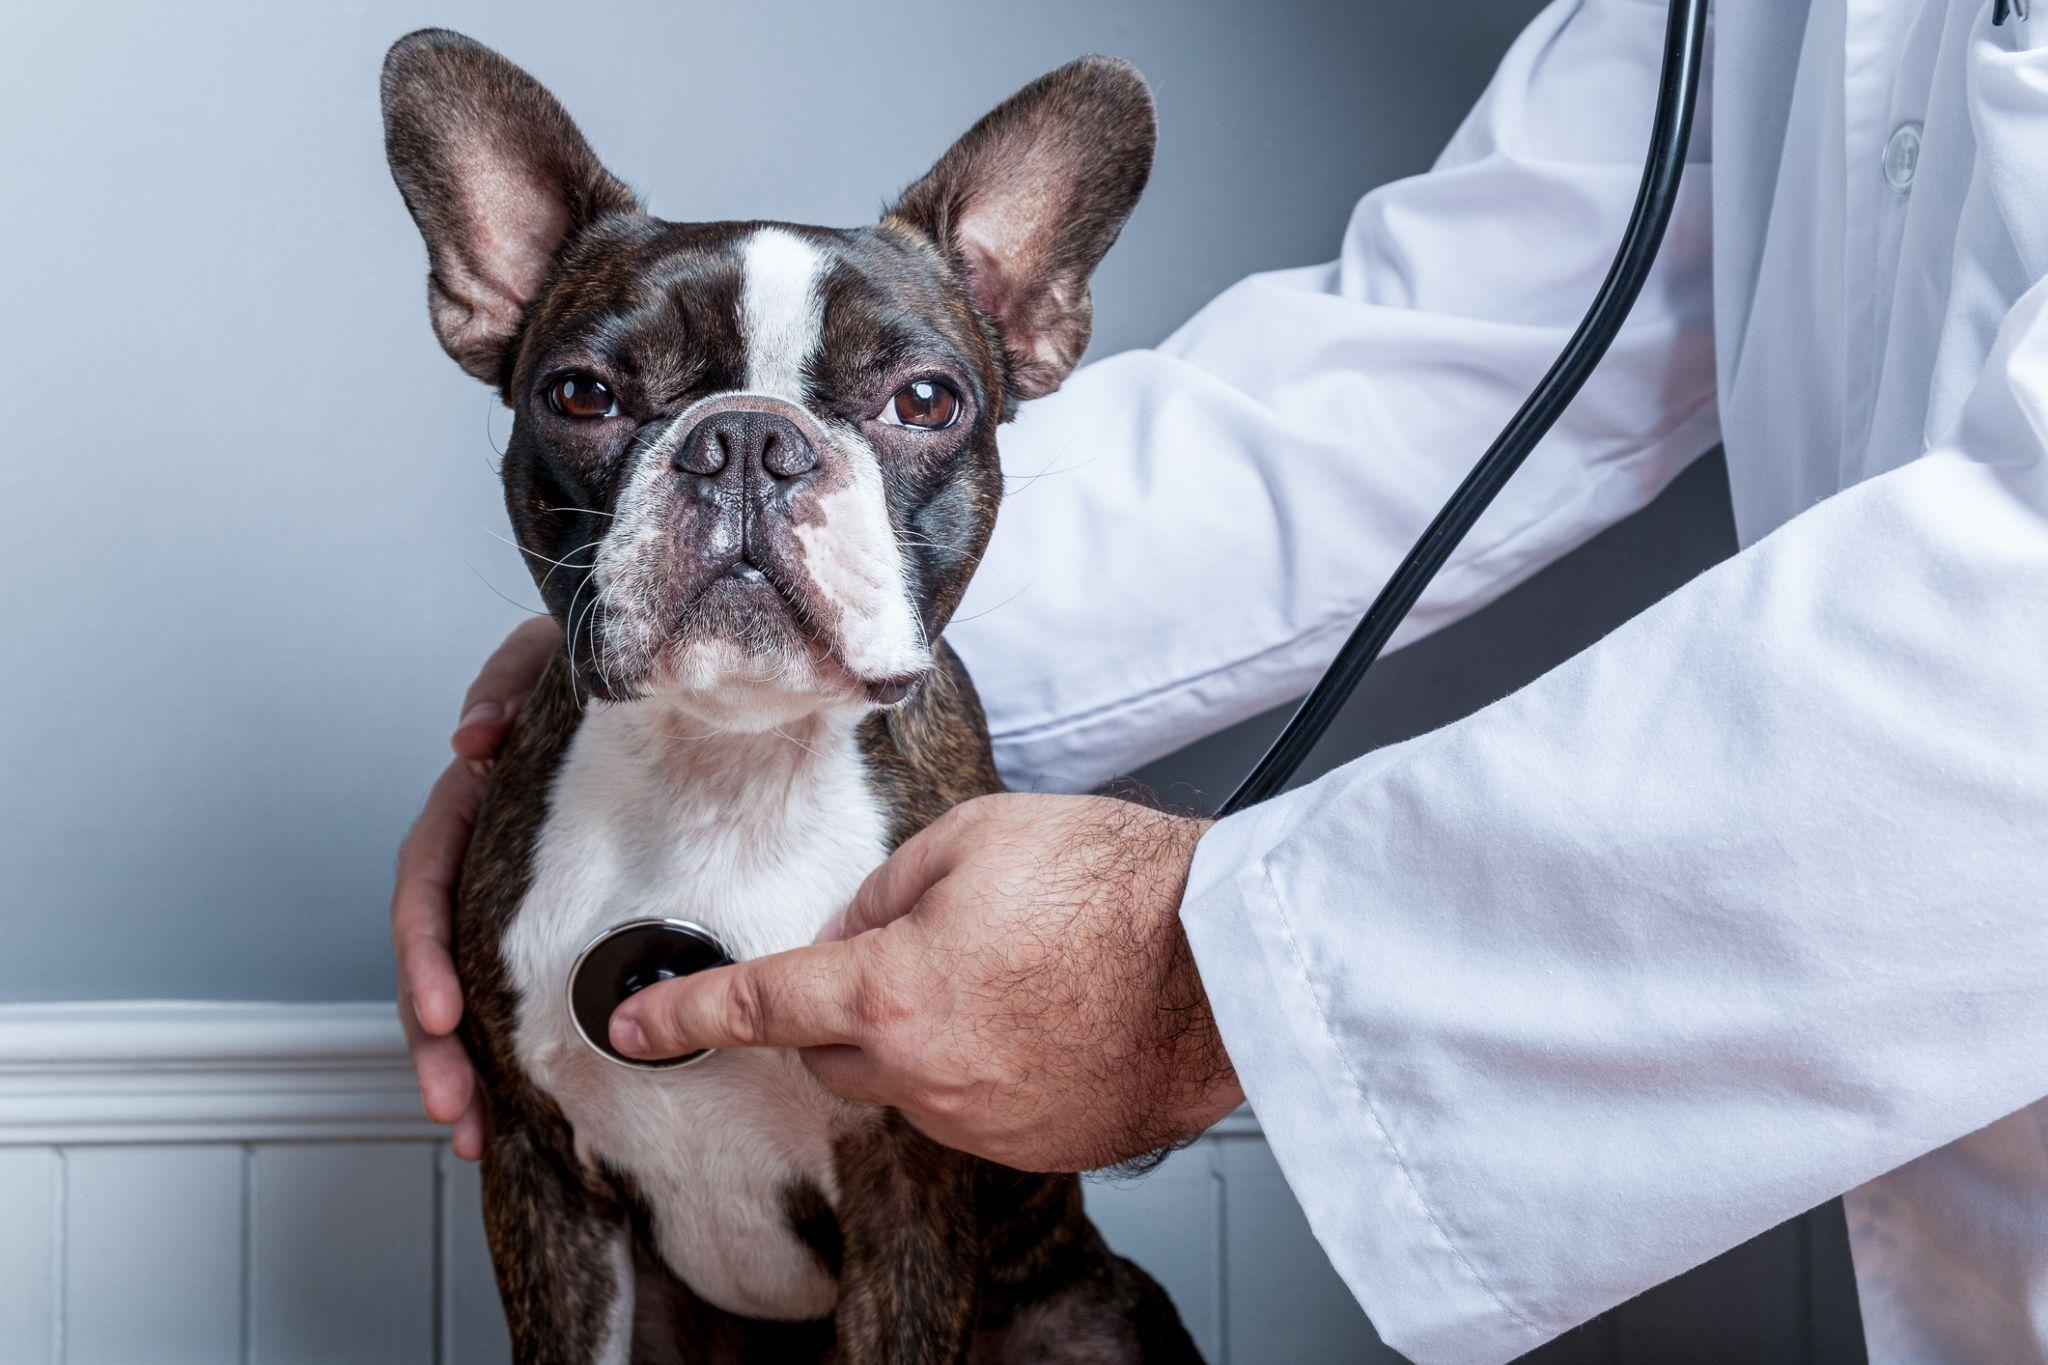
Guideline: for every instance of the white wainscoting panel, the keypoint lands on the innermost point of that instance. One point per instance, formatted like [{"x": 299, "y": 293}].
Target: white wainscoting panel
[
  {"x": 153, "y": 1264},
  {"x": 343, "y": 1245},
  {"x": 221, "y": 1183},
  {"x": 31, "y": 1216}
]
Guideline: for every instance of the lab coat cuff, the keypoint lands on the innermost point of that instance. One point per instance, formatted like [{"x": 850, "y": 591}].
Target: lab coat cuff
[{"x": 1363, "y": 1203}]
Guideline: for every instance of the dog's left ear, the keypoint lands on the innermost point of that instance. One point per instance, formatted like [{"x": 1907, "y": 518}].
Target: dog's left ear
[{"x": 1030, "y": 199}]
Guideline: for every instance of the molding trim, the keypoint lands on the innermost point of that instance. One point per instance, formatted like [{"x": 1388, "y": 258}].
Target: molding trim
[
  {"x": 143, "y": 1071},
  {"x": 194, "y": 1071}
]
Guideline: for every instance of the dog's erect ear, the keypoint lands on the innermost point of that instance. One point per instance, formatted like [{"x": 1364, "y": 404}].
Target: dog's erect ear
[
  {"x": 499, "y": 181},
  {"x": 1032, "y": 197}
]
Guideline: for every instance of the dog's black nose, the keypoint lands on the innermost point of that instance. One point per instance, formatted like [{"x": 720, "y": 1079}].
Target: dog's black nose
[{"x": 744, "y": 439}]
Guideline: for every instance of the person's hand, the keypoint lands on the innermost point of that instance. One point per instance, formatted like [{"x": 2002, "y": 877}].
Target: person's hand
[
  {"x": 1014, "y": 979},
  {"x": 423, "y": 905}
]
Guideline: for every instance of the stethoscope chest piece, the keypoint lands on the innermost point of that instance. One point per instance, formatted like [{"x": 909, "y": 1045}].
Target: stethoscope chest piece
[{"x": 628, "y": 958}]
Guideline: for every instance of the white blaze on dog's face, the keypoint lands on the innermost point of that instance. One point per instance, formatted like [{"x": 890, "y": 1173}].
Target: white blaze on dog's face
[
  {"x": 850, "y": 553},
  {"x": 753, "y": 465}
]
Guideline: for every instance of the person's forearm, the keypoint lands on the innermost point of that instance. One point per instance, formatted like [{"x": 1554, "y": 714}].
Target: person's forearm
[
  {"x": 1190, "y": 531},
  {"x": 1735, "y": 911}
]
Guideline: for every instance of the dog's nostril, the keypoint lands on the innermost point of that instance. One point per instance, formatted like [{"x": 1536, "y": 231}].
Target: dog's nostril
[
  {"x": 786, "y": 454},
  {"x": 703, "y": 451}
]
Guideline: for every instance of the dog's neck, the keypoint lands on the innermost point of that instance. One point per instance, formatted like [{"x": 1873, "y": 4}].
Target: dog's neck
[
  {"x": 735, "y": 775},
  {"x": 759, "y": 837}
]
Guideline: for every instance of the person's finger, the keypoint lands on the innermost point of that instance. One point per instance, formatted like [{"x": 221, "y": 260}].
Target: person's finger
[
  {"x": 441, "y": 1066},
  {"x": 893, "y": 890},
  {"x": 447, "y": 1080},
  {"x": 468, "y": 1138},
  {"x": 423, "y": 901},
  {"x": 803, "y": 998},
  {"x": 432, "y": 984},
  {"x": 493, "y": 700},
  {"x": 848, "y": 1073}
]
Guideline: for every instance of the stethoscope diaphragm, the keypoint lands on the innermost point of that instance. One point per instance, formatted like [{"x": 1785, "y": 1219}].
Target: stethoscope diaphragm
[{"x": 625, "y": 960}]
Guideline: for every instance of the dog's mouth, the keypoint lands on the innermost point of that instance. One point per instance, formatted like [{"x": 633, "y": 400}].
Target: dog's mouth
[
  {"x": 749, "y": 625},
  {"x": 751, "y": 599},
  {"x": 792, "y": 601},
  {"x": 746, "y": 580}
]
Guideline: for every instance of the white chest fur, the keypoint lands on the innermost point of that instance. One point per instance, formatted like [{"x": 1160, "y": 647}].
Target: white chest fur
[{"x": 759, "y": 838}]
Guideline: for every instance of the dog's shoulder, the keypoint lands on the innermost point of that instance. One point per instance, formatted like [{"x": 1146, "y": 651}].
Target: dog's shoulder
[
  {"x": 508, "y": 824},
  {"x": 931, "y": 752},
  {"x": 498, "y": 871}
]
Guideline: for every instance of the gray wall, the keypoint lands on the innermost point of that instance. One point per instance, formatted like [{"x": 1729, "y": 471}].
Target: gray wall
[{"x": 248, "y": 506}]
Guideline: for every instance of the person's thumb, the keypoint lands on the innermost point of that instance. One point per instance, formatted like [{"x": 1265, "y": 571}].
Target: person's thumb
[{"x": 803, "y": 998}]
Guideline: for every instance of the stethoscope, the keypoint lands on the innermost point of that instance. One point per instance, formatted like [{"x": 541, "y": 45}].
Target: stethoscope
[{"x": 630, "y": 957}]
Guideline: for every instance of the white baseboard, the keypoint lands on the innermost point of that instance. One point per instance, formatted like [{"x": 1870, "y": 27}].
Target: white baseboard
[
  {"x": 140, "y": 1071},
  {"x": 136, "y": 1071}
]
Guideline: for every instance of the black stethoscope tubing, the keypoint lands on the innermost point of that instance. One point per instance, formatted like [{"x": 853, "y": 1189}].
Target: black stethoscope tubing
[{"x": 1670, "y": 135}]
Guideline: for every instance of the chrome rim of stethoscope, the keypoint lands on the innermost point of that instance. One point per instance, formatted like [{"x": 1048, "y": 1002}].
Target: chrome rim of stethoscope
[{"x": 602, "y": 1047}]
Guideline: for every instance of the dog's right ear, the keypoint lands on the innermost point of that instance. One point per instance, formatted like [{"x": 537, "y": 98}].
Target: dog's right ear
[{"x": 499, "y": 181}]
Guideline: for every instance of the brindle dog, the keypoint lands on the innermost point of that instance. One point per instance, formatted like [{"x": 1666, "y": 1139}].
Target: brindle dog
[{"x": 752, "y": 465}]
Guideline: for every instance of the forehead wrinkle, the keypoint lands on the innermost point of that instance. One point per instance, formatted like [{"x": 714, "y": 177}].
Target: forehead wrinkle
[
  {"x": 877, "y": 323},
  {"x": 652, "y": 341},
  {"x": 677, "y": 316},
  {"x": 903, "y": 252},
  {"x": 660, "y": 303},
  {"x": 586, "y": 280},
  {"x": 908, "y": 279}
]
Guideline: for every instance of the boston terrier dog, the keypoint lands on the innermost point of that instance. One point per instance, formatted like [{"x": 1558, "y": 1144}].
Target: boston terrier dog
[{"x": 752, "y": 465}]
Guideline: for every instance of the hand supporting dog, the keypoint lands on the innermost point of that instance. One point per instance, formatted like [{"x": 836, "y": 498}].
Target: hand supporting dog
[
  {"x": 1014, "y": 979},
  {"x": 423, "y": 900}
]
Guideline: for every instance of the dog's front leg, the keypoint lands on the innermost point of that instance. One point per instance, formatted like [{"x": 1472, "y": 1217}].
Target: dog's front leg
[
  {"x": 563, "y": 1252},
  {"x": 909, "y": 1286}
]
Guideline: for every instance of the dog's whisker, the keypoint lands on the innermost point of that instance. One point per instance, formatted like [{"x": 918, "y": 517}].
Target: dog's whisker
[
  {"x": 933, "y": 546},
  {"x": 1000, "y": 605},
  {"x": 563, "y": 564},
  {"x": 536, "y": 554},
  {"x": 602, "y": 636},
  {"x": 780, "y": 734},
  {"x": 575, "y": 624},
  {"x": 1052, "y": 466},
  {"x": 531, "y": 611},
  {"x": 491, "y": 437}
]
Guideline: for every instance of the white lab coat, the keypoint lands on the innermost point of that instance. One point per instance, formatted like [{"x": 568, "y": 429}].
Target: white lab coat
[{"x": 1746, "y": 906}]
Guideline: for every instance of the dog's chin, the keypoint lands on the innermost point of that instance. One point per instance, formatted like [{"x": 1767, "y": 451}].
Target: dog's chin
[
  {"x": 736, "y": 686},
  {"x": 741, "y": 663}
]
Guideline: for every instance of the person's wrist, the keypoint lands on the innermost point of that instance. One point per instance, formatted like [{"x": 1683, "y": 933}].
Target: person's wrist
[{"x": 1200, "y": 1084}]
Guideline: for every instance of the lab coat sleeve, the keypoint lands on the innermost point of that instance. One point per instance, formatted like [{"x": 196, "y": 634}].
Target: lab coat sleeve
[
  {"x": 1735, "y": 911},
  {"x": 1190, "y": 531}
]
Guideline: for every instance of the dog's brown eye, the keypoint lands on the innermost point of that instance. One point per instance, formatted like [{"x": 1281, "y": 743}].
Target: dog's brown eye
[
  {"x": 927, "y": 403},
  {"x": 580, "y": 396}
]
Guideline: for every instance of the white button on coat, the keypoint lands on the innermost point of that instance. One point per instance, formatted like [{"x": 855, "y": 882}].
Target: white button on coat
[
  {"x": 1902, "y": 157},
  {"x": 1746, "y": 906}
]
